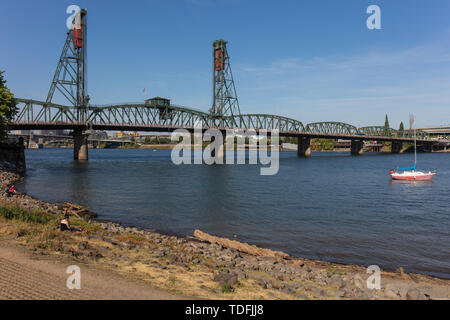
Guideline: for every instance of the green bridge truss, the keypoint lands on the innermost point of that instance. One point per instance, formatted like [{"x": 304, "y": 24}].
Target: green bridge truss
[
  {"x": 145, "y": 117},
  {"x": 381, "y": 131}
]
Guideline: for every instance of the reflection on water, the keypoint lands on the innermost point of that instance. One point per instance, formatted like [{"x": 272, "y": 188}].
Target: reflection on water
[
  {"x": 333, "y": 206},
  {"x": 413, "y": 183}
]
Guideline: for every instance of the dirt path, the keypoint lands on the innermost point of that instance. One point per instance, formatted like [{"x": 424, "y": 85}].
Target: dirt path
[{"x": 26, "y": 276}]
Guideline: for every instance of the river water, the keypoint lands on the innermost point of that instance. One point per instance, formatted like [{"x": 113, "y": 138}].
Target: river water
[{"x": 333, "y": 206}]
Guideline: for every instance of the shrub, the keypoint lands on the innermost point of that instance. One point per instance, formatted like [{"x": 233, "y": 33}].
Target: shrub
[{"x": 226, "y": 288}]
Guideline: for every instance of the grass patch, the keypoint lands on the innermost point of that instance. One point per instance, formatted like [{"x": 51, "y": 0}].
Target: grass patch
[
  {"x": 18, "y": 213},
  {"x": 226, "y": 288},
  {"x": 22, "y": 231},
  {"x": 172, "y": 280},
  {"x": 332, "y": 271},
  {"x": 85, "y": 225},
  {"x": 133, "y": 238},
  {"x": 33, "y": 227}
]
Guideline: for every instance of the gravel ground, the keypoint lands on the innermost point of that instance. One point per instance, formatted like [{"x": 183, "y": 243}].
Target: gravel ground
[{"x": 24, "y": 276}]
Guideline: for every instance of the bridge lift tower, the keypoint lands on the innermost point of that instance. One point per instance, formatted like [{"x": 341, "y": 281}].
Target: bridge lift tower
[
  {"x": 225, "y": 101},
  {"x": 70, "y": 80}
]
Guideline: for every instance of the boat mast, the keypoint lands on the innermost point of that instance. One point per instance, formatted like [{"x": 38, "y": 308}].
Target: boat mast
[
  {"x": 411, "y": 122},
  {"x": 415, "y": 148}
]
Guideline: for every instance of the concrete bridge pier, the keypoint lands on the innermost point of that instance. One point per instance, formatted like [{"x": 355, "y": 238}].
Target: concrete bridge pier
[
  {"x": 80, "y": 145},
  {"x": 396, "y": 146},
  {"x": 357, "y": 147},
  {"x": 219, "y": 153},
  {"x": 304, "y": 146},
  {"x": 30, "y": 140}
]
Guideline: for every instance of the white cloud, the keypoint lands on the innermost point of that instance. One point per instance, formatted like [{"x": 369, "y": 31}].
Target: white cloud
[{"x": 356, "y": 89}]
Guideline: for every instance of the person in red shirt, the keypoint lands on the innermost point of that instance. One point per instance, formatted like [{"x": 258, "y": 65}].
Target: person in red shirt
[{"x": 11, "y": 191}]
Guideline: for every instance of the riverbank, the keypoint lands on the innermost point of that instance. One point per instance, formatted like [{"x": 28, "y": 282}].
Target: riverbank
[{"x": 190, "y": 266}]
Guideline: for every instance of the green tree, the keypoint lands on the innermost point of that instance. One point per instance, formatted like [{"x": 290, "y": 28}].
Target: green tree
[
  {"x": 386, "y": 126},
  {"x": 322, "y": 144},
  {"x": 402, "y": 127},
  {"x": 8, "y": 107},
  {"x": 386, "y": 122}
]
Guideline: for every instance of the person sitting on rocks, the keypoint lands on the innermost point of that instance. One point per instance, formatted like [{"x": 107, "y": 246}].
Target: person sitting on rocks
[
  {"x": 10, "y": 191},
  {"x": 64, "y": 225}
]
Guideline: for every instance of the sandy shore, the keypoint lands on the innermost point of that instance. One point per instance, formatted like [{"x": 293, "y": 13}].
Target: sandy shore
[{"x": 152, "y": 265}]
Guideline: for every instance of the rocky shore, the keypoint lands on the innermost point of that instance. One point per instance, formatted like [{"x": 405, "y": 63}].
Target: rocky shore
[{"x": 202, "y": 266}]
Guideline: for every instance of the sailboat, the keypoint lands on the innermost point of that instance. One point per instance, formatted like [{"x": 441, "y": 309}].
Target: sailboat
[{"x": 411, "y": 173}]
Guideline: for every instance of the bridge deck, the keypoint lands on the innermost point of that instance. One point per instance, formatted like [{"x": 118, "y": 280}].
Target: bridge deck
[
  {"x": 38, "y": 115},
  {"x": 169, "y": 128}
]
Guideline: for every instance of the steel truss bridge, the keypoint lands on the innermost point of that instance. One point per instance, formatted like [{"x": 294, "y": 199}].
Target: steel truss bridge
[
  {"x": 144, "y": 117},
  {"x": 158, "y": 114}
]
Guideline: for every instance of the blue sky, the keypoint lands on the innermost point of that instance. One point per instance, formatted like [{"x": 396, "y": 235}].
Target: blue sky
[{"x": 312, "y": 60}]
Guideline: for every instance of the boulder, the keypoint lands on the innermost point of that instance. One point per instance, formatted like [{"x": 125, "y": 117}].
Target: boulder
[{"x": 225, "y": 278}]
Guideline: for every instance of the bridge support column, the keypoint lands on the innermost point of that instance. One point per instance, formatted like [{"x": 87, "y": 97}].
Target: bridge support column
[
  {"x": 30, "y": 140},
  {"x": 219, "y": 153},
  {"x": 396, "y": 146},
  {"x": 80, "y": 145},
  {"x": 357, "y": 147},
  {"x": 304, "y": 146}
]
